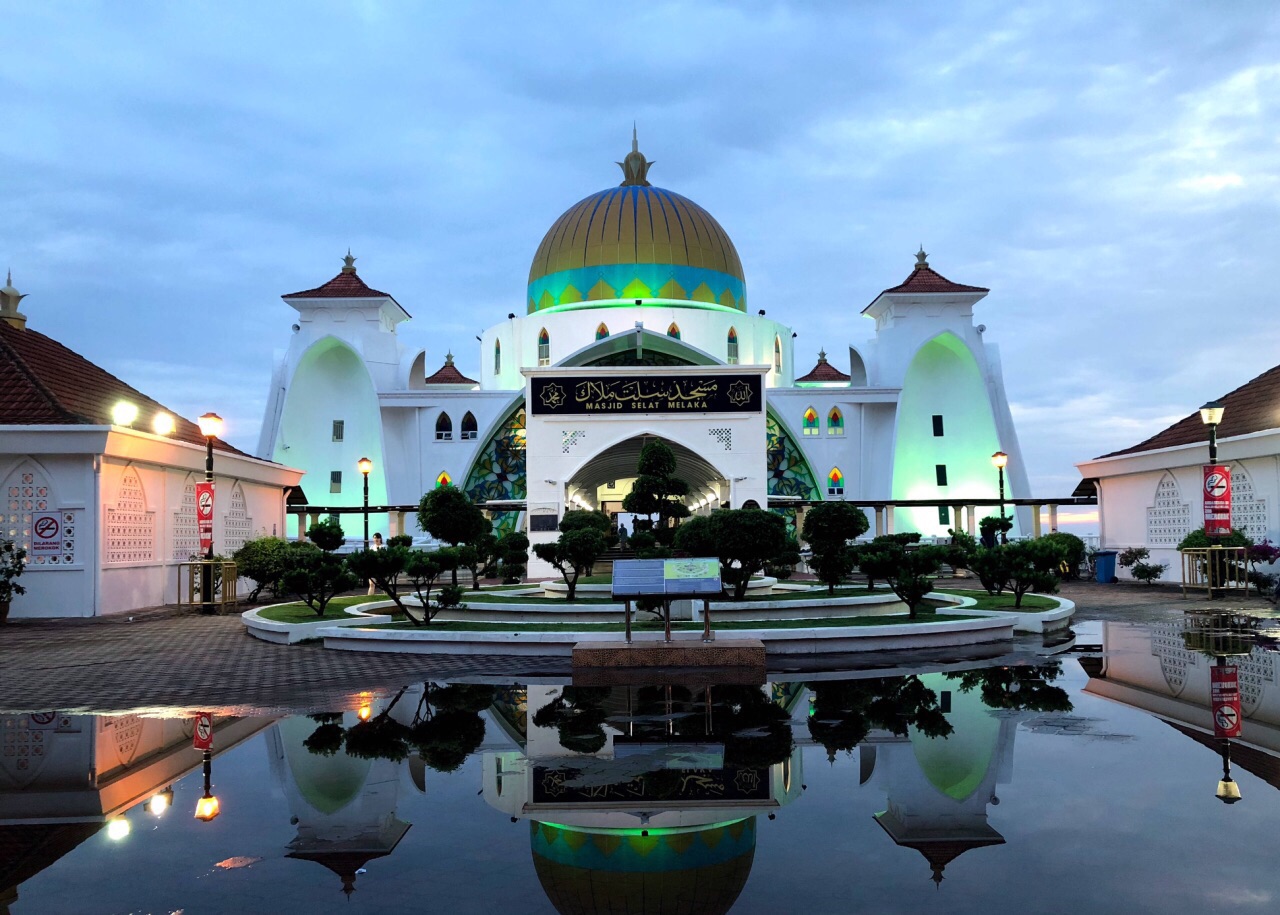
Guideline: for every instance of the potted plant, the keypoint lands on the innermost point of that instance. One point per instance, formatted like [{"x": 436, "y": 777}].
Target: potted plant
[{"x": 13, "y": 559}]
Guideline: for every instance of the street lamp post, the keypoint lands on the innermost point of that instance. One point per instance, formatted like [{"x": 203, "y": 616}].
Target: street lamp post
[
  {"x": 1211, "y": 415},
  {"x": 365, "y": 465},
  {"x": 999, "y": 460},
  {"x": 210, "y": 428}
]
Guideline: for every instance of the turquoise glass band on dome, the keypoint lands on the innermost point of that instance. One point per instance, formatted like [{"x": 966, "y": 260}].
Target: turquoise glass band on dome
[{"x": 628, "y": 282}]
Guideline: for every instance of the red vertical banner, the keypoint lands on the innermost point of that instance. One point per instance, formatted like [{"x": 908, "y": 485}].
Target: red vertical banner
[
  {"x": 1225, "y": 693},
  {"x": 204, "y": 515},
  {"x": 1217, "y": 499},
  {"x": 202, "y": 736}
]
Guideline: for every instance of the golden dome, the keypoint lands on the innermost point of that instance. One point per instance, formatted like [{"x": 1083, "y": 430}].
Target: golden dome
[{"x": 636, "y": 241}]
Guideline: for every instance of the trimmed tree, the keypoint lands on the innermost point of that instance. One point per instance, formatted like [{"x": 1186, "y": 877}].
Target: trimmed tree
[
  {"x": 384, "y": 568},
  {"x": 1033, "y": 566},
  {"x": 447, "y": 514},
  {"x": 513, "y": 554},
  {"x": 828, "y": 528},
  {"x": 574, "y": 551},
  {"x": 907, "y": 572},
  {"x": 312, "y": 572},
  {"x": 262, "y": 560},
  {"x": 657, "y": 491},
  {"x": 743, "y": 539}
]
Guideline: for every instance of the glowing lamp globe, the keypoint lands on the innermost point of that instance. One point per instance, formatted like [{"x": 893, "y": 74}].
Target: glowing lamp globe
[
  {"x": 117, "y": 829},
  {"x": 1211, "y": 413},
  {"x": 210, "y": 425},
  {"x": 207, "y": 807},
  {"x": 365, "y": 465},
  {"x": 1228, "y": 791},
  {"x": 162, "y": 424},
  {"x": 999, "y": 459},
  {"x": 124, "y": 413}
]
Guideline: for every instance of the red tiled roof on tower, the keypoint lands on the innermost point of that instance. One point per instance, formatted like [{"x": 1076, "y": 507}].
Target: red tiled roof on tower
[
  {"x": 43, "y": 383},
  {"x": 1252, "y": 407},
  {"x": 823, "y": 371},
  {"x": 449, "y": 374},
  {"x": 924, "y": 279},
  {"x": 346, "y": 285}
]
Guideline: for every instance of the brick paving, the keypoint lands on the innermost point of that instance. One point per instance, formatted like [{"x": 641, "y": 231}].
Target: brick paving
[{"x": 164, "y": 659}]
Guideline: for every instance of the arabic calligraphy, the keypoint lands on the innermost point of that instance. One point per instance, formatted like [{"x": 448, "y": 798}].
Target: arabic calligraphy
[{"x": 733, "y": 393}]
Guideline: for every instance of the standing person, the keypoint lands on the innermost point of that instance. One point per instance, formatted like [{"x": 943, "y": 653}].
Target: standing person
[
  {"x": 376, "y": 545},
  {"x": 622, "y": 536}
]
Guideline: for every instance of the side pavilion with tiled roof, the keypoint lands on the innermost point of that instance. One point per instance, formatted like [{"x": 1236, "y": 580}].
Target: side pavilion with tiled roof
[
  {"x": 1149, "y": 494},
  {"x": 104, "y": 503}
]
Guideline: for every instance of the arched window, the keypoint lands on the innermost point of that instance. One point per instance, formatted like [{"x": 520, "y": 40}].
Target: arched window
[
  {"x": 468, "y": 427},
  {"x": 602, "y": 331},
  {"x": 835, "y": 482},
  {"x": 444, "y": 479},
  {"x": 835, "y": 422},
  {"x": 777, "y": 354},
  {"x": 544, "y": 347},
  {"x": 444, "y": 428},
  {"x": 674, "y": 330},
  {"x": 731, "y": 346},
  {"x": 810, "y": 424},
  {"x": 497, "y": 357}
]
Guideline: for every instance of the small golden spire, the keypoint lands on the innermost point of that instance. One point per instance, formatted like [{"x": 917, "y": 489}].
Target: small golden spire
[
  {"x": 348, "y": 263},
  {"x": 635, "y": 167},
  {"x": 920, "y": 258},
  {"x": 822, "y": 357},
  {"x": 9, "y": 299},
  {"x": 448, "y": 358}
]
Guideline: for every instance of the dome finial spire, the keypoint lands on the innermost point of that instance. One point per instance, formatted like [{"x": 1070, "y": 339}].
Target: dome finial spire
[
  {"x": 921, "y": 258},
  {"x": 635, "y": 167},
  {"x": 348, "y": 263}
]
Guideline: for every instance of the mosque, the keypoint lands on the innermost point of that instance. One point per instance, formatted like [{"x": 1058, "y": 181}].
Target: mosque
[{"x": 637, "y": 324}]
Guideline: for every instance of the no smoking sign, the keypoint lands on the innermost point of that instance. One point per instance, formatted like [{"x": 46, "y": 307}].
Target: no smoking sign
[{"x": 1216, "y": 485}]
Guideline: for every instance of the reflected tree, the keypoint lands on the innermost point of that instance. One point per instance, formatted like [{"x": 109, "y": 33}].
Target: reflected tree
[
  {"x": 1023, "y": 688},
  {"x": 845, "y": 711}
]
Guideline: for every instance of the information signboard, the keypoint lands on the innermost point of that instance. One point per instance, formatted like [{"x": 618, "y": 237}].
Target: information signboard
[
  {"x": 1217, "y": 499},
  {"x": 694, "y": 577}
]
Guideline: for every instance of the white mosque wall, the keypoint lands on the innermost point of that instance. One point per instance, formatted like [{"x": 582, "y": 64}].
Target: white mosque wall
[
  {"x": 569, "y": 330},
  {"x": 1153, "y": 498}
]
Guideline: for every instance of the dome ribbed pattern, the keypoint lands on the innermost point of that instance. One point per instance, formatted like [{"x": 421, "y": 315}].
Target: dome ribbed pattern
[{"x": 600, "y": 238}]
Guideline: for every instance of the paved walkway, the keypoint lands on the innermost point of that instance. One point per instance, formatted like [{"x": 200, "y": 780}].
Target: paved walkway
[{"x": 167, "y": 659}]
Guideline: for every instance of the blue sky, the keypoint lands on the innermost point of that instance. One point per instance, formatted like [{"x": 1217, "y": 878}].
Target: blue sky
[{"x": 1108, "y": 170}]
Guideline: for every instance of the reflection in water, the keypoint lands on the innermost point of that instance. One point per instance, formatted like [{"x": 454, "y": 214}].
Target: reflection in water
[
  {"x": 637, "y": 799},
  {"x": 63, "y": 777}
]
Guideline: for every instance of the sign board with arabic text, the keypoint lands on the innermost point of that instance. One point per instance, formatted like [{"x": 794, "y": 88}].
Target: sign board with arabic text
[{"x": 564, "y": 395}]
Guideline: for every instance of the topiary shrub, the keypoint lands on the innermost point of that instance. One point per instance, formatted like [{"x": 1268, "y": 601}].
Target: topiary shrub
[
  {"x": 1073, "y": 549},
  {"x": 1149, "y": 572}
]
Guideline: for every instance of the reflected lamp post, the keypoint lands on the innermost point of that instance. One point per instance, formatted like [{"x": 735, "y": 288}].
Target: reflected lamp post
[
  {"x": 999, "y": 460},
  {"x": 208, "y": 807},
  {"x": 365, "y": 466},
  {"x": 210, "y": 428}
]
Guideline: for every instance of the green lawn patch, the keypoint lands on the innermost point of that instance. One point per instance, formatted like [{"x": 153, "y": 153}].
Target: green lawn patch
[
  {"x": 298, "y": 612},
  {"x": 651, "y": 625},
  {"x": 1031, "y": 603}
]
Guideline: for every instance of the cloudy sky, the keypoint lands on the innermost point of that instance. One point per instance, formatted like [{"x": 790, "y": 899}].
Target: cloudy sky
[{"x": 168, "y": 170}]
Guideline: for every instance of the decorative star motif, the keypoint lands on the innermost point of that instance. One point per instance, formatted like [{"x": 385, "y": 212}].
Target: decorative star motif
[
  {"x": 739, "y": 393},
  {"x": 747, "y": 780},
  {"x": 552, "y": 396}
]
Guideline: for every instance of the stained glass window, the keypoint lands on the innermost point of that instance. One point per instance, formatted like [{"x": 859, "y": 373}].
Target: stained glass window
[
  {"x": 499, "y": 469},
  {"x": 444, "y": 428},
  {"x": 497, "y": 357},
  {"x": 602, "y": 331},
  {"x": 789, "y": 473},
  {"x": 444, "y": 479},
  {"x": 674, "y": 330},
  {"x": 810, "y": 425},
  {"x": 835, "y": 422},
  {"x": 777, "y": 354},
  {"x": 732, "y": 347},
  {"x": 544, "y": 347},
  {"x": 835, "y": 482}
]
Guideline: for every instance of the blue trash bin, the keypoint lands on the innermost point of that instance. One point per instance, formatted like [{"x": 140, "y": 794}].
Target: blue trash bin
[{"x": 1104, "y": 563}]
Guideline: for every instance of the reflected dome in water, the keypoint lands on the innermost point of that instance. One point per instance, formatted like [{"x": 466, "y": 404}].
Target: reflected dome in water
[{"x": 700, "y": 870}]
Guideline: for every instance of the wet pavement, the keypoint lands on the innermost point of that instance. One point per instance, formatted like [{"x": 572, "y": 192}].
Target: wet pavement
[{"x": 165, "y": 658}]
